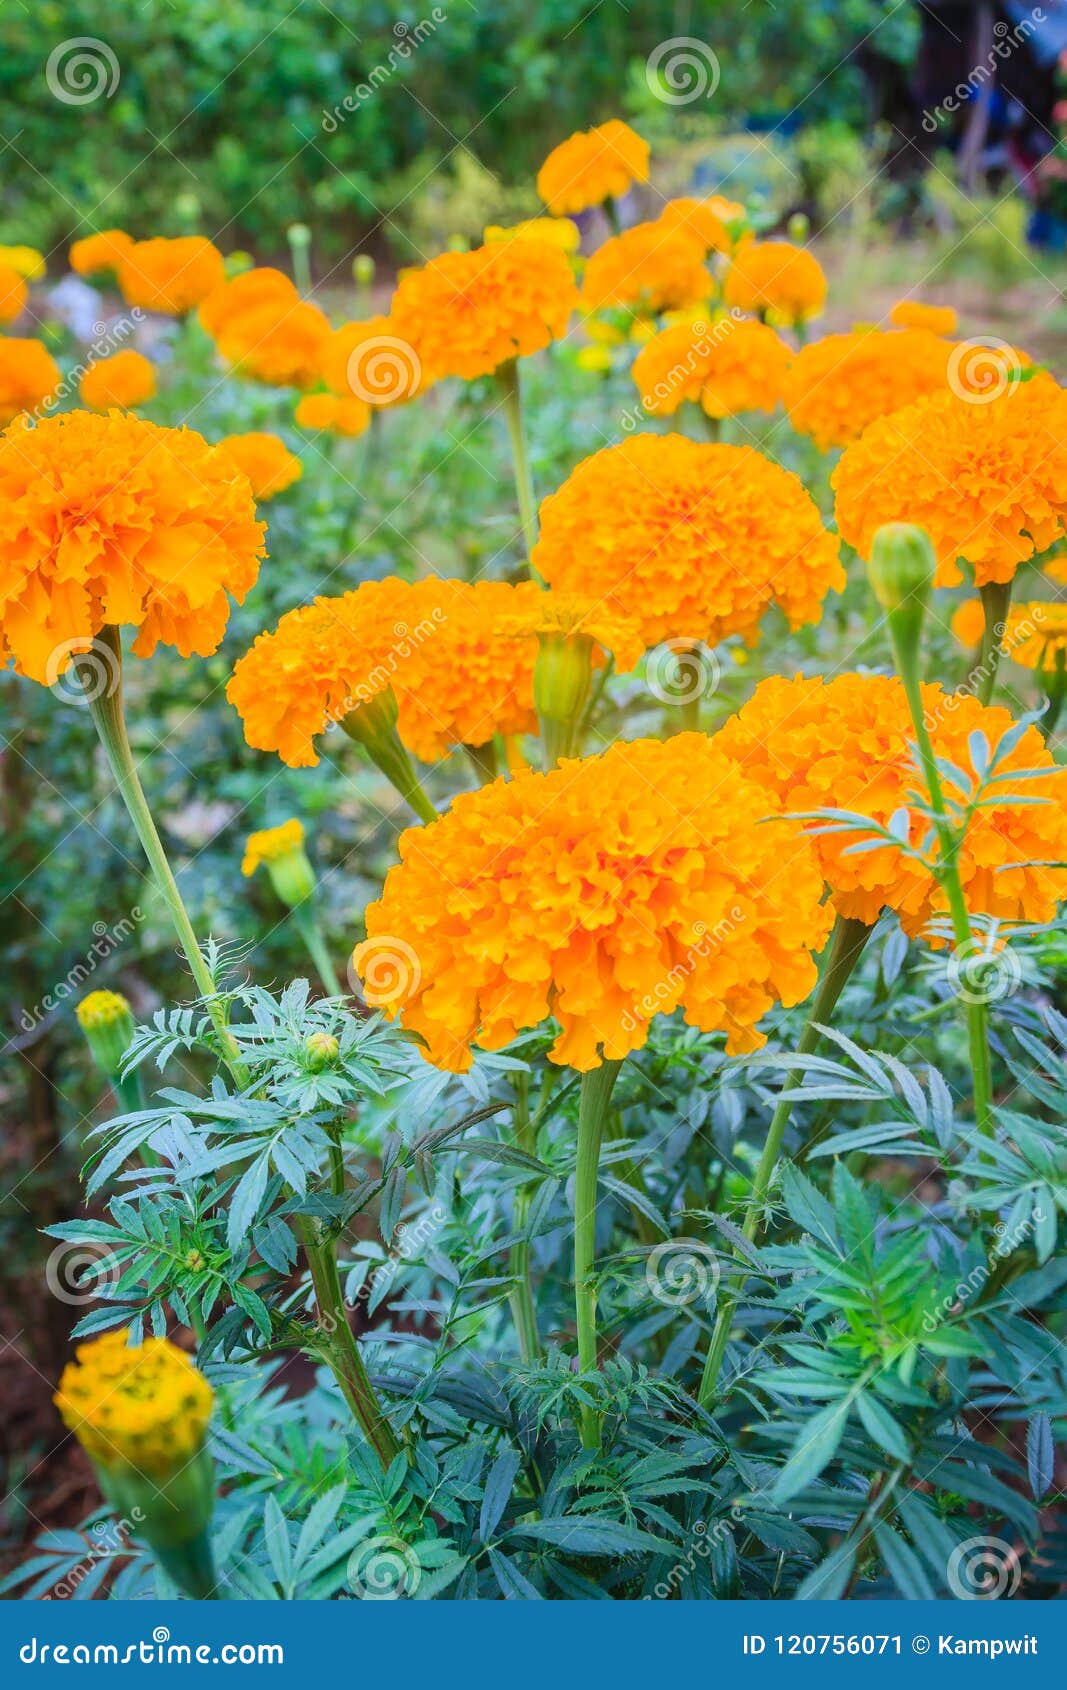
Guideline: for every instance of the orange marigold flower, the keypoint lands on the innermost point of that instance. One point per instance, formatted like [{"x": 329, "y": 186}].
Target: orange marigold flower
[
  {"x": 691, "y": 540},
  {"x": 968, "y": 624},
  {"x": 28, "y": 376},
  {"x": 321, "y": 412},
  {"x": 111, "y": 520},
  {"x": 171, "y": 276},
  {"x": 466, "y": 313},
  {"x": 591, "y": 166},
  {"x": 615, "y": 888},
  {"x": 245, "y": 292},
  {"x": 128, "y": 378},
  {"x": 1036, "y": 634},
  {"x": 265, "y": 460},
  {"x": 280, "y": 342},
  {"x": 844, "y": 745},
  {"x": 95, "y": 254},
  {"x": 701, "y": 220},
  {"x": 13, "y": 294},
  {"x": 841, "y": 383},
  {"x": 458, "y": 676},
  {"x": 914, "y": 314},
  {"x": 988, "y": 481},
  {"x": 652, "y": 267},
  {"x": 370, "y": 362},
  {"x": 785, "y": 281},
  {"x": 728, "y": 367}
]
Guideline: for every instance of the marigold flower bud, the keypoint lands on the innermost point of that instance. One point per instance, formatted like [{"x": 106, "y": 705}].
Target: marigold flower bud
[
  {"x": 281, "y": 849},
  {"x": 363, "y": 268},
  {"x": 902, "y": 565},
  {"x": 320, "y": 1051},
  {"x": 107, "y": 1022}
]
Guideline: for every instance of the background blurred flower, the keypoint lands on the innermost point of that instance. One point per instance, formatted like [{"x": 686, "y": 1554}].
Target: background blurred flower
[
  {"x": 171, "y": 276},
  {"x": 784, "y": 281},
  {"x": 103, "y": 252},
  {"x": 652, "y": 267},
  {"x": 28, "y": 375},
  {"x": 840, "y": 383},
  {"x": 914, "y": 314},
  {"x": 265, "y": 460},
  {"x": 591, "y": 166},
  {"x": 126, "y": 379}
]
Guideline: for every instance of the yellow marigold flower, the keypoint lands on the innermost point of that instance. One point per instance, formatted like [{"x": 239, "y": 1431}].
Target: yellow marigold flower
[
  {"x": 841, "y": 383},
  {"x": 652, "y": 267},
  {"x": 968, "y": 624},
  {"x": 107, "y": 1021},
  {"x": 101, "y": 252},
  {"x": 914, "y": 314},
  {"x": 596, "y": 359},
  {"x": 126, "y": 379},
  {"x": 26, "y": 262},
  {"x": 13, "y": 294},
  {"x": 591, "y": 166},
  {"x": 558, "y": 231},
  {"x": 370, "y": 362},
  {"x": 171, "y": 276},
  {"x": 247, "y": 291},
  {"x": 691, "y": 540},
  {"x": 988, "y": 481},
  {"x": 785, "y": 281},
  {"x": 265, "y": 460},
  {"x": 1036, "y": 633},
  {"x": 458, "y": 677},
  {"x": 729, "y": 367},
  {"x": 270, "y": 843},
  {"x": 466, "y": 313},
  {"x": 319, "y": 412},
  {"x": 113, "y": 520},
  {"x": 146, "y": 1407},
  {"x": 602, "y": 894},
  {"x": 844, "y": 745},
  {"x": 701, "y": 220},
  {"x": 101, "y": 1009},
  {"x": 280, "y": 341},
  {"x": 28, "y": 376}
]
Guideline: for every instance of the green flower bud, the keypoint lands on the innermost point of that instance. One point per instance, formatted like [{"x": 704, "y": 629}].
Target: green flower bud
[
  {"x": 107, "y": 1022},
  {"x": 902, "y": 565},
  {"x": 363, "y": 268},
  {"x": 281, "y": 849},
  {"x": 320, "y": 1051}
]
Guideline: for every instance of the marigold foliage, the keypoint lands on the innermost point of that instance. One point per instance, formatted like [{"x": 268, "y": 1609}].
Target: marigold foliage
[
  {"x": 988, "y": 481},
  {"x": 691, "y": 540},
  {"x": 146, "y": 1407},
  {"x": 466, "y": 313},
  {"x": 652, "y": 267},
  {"x": 591, "y": 166},
  {"x": 171, "y": 276},
  {"x": 114, "y": 520},
  {"x": 844, "y": 745},
  {"x": 265, "y": 460},
  {"x": 785, "y": 281},
  {"x": 28, "y": 376},
  {"x": 728, "y": 367},
  {"x": 270, "y": 843},
  {"x": 100, "y": 252},
  {"x": 839, "y": 384},
  {"x": 127, "y": 378},
  {"x": 915, "y": 314}
]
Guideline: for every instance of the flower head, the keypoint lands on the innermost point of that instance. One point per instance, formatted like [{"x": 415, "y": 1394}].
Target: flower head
[
  {"x": 602, "y": 894},
  {"x": 914, "y": 314},
  {"x": 785, "y": 281},
  {"x": 145, "y": 1407},
  {"x": 591, "y": 166},
  {"x": 328, "y": 412},
  {"x": 101, "y": 1009},
  {"x": 728, "y": 367},
  {"x": 370, "y": 362},
  {"x": 1036, "y": 634},
  {"x": 248, "y": 291},
  {"x": 105, "y": 251},
  {"x": 558, "y": 231},
  {"x": 13, "y": 294},
  {"x": 28, "y": 376},
  {"x": 279, "y": 341},
  {"x": 704, "y": 221},
  {"x": 107, "y": 1021},
  {"x": 571, "y": 616},
  {"x": 690, "y": 540},
  {"x": 988, "y": 481},
  {"x": 466, "y": 313},
  {"x": 171, "y": 276},
  {"x": 652, "y": 267},
  {"x": 839, "y": 384},
  {"x": 281, "y": 849},
  {"x": 112, "y": 520},
  {"x": 126, "y": 379},
  {"x": 265, "y": 460},
  {"x": 26, "y": 262},
  {"x": 846, "y": 745},
  {"x": 968, "y": 623}
]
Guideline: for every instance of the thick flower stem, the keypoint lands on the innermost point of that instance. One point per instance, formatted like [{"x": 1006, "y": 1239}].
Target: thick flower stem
[
  {"x": 191, "y": 1565},
  {"x": 597, "y": 1086},
  {"x": 340, "y": 1348},
  {"x": 508, "y": 379},
  {"x": 523, "y": 1308},
  {"x": 842, "y": 954},
  {"x": 996, "y": 598},
  {"x": 110, "y": 723},
  {"x": 382, "y": 743},
  {"x": 307, "y": 926}
]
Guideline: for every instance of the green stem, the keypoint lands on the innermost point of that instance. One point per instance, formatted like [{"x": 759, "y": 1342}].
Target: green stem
[
  {"x": 842, "y": 954},
  {"x": 389, "y": 755},
  {"x": 597, "y": 1086},
  {"x": 508, "y": 379},
  {"x": 340, "y": 1347},
  {"x": 996, "y": 598},
  {"x": 557, "y": 740},
  {"x": 306, "y": 923},
  {"x": 191, "y": 1565},
  {"x": 523, "y": 1307},
  {"x": 1055, "y": 682},
  {"x": 110, "y": 723},
  {"x": 483, "y": 760},
  {"x": 611, "y": 212}
]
